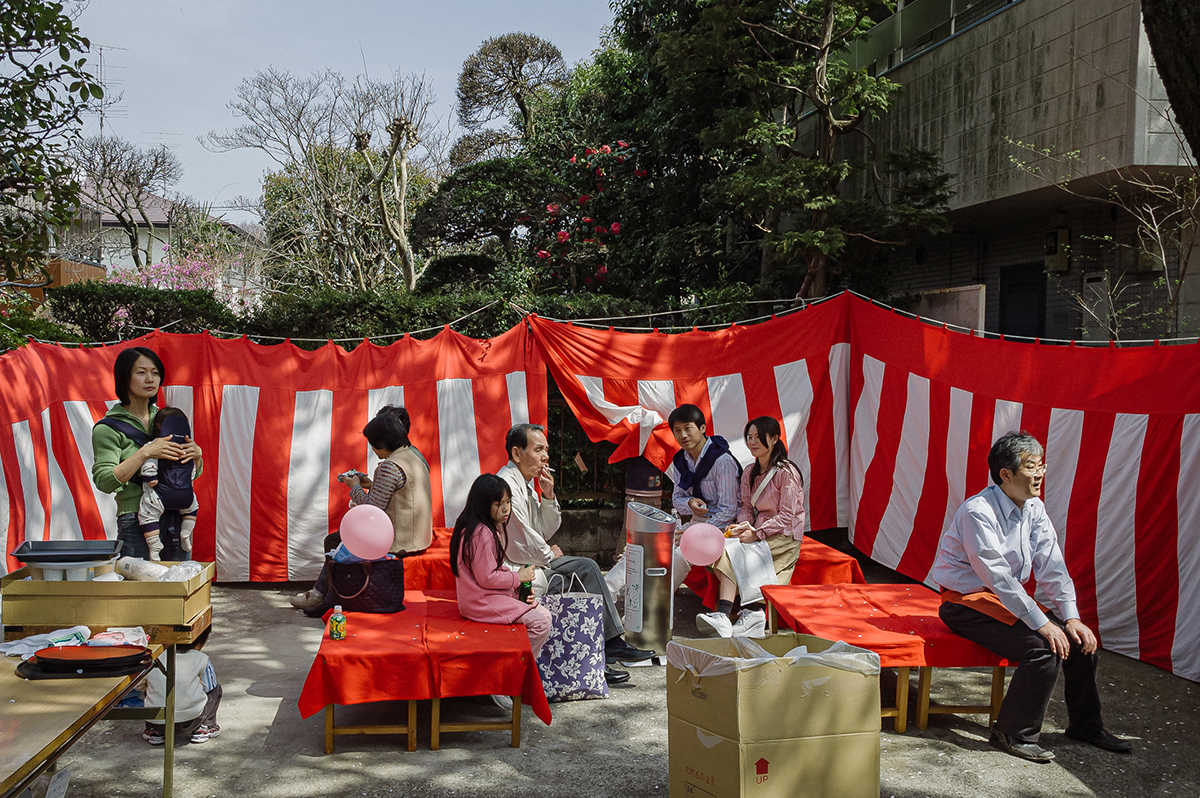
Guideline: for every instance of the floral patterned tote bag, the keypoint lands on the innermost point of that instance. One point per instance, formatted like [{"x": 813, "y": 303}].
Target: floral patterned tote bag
[{"x": 572, "y": 661}]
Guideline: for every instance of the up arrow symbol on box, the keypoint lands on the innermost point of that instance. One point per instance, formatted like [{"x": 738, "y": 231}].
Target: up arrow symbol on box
[{"x": 761, "y": 767}]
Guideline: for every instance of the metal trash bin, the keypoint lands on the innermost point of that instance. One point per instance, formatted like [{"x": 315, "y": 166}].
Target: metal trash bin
[{"x": 649, "y": 599}]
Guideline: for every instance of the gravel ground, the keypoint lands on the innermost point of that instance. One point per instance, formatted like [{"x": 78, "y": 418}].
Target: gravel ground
[{"x": 262, "y": 650}]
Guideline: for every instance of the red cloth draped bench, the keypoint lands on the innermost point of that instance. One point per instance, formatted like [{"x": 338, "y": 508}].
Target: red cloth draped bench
[
  {"x": 430, "y": 570},
  {"x": 427, "y": 651},
  {"x": 818, "y": 565},
  {"x": 898, "y": 622}
]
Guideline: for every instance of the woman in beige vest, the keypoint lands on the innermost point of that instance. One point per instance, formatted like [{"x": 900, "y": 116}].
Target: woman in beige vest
[{"x": 400, "y": 488}]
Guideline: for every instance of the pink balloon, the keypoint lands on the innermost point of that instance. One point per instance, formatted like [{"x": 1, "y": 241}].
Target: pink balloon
[
  {"x": 367, "y": 532},
  {"x": 702, "y": 544}
]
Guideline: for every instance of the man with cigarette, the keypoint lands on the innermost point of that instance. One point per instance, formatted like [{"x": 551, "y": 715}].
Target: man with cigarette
[{"x": 534, "y": 520}]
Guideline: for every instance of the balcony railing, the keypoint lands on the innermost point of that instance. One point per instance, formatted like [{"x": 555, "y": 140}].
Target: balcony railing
[{"x": 918, "y": 26}]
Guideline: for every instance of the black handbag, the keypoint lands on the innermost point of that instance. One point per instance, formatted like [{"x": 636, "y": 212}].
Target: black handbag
[{"x": 366, "y": 586}]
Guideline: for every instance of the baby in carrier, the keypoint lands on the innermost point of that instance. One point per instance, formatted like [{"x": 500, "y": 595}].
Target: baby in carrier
[{"x": 167, "y": 485}]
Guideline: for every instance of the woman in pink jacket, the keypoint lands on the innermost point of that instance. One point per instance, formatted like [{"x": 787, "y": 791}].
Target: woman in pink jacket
[
  {"x": 771, "y": 509},
  {"x": 487, "y": 591}
]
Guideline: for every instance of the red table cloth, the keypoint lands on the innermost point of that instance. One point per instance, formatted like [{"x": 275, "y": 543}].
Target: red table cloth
[
  {"x": 898, "y": 622},
  {"x": 426, "y": 651},
  {"x": 818, "y": 565}
]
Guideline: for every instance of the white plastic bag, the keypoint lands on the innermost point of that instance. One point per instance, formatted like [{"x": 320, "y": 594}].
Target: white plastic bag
[
  {"x": 752, "y": 567},
  {"x": 182, "y": 572}
]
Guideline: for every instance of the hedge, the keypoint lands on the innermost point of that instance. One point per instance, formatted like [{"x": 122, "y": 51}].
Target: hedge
[{"x": 100, "y": 311}]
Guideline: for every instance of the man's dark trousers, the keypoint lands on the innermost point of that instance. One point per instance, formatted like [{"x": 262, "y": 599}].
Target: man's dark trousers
[{"x": 1032, "y": 683}]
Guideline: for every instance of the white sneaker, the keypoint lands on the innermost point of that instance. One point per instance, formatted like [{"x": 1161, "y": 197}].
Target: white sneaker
[
  {"x": 714, "y": 624},
  {"x": 503, "y": 701},
  {"x": 750, "y": 623}
]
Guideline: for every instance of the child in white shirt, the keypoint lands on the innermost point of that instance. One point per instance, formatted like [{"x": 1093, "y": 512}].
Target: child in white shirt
[{"x": 197, "y": 694}]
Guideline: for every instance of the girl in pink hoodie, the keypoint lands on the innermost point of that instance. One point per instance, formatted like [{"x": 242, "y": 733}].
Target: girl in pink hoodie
[{"x": 487, "y": 591}]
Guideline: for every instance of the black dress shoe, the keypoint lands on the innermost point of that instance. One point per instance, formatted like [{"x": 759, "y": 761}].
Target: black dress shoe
[
  {"x": 1102, "y": 739},
  {"x": 620, "y": 651},
  {"x": 1028, "y": 751},
  {"x": 614, "y": 676}
]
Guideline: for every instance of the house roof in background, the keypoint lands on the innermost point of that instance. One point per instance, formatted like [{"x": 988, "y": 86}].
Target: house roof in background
[{"x": 158, "y": 210}]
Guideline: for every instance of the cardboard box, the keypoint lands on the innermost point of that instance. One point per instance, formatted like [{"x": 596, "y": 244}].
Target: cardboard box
[
  {"x": 128, "y": 603},
  {"x": 704, "y": 765},
  {"x": 776, "y": 700},
  {"x": 772, "y": 729}
]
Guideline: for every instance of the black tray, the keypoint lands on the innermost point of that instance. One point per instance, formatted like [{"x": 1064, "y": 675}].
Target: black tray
[
  {"x": 30, "y": 670},
  {"x": 65, "y": 552}
]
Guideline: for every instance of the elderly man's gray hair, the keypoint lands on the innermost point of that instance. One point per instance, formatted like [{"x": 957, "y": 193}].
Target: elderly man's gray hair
[{"x": 1007, "y": 451}]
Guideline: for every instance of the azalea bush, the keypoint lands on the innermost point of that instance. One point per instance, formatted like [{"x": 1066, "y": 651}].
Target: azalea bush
[{"x": 194, "y": 271}]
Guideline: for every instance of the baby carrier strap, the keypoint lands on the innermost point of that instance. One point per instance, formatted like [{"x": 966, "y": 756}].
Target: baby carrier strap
[{"x": 125, "y": 428}]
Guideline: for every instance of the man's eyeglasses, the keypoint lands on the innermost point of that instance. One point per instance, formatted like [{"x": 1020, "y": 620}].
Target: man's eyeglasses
[{"x": 1034, "y": 469}]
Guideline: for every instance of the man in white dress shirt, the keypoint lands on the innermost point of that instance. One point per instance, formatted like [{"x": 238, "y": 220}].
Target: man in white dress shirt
[
  {"x": 534, "y": 520},
  {"x": 999, "y": 538}
]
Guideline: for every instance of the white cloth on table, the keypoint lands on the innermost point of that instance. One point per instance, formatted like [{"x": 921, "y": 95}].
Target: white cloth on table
[{"x": 27, "y": 647}]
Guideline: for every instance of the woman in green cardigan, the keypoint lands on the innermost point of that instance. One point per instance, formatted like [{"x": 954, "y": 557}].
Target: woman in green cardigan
[{"x": 137, "y": 376}]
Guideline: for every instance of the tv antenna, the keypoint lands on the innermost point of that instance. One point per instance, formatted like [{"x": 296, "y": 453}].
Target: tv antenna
[{"x": 108, "y": 104}]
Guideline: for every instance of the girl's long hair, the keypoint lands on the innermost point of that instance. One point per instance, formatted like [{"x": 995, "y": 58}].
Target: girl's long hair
[
  {"x": 486, "y": 490},
  {"x": 764, "y": 426}
]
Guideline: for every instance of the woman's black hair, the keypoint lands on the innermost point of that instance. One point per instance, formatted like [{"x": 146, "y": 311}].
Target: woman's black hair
[
  {"x": 399, "y": 412},
  {"x": 764, "y": 426},
  {"x": 486, "y": 490},
  {"x": 386, "y": 432},
  {"x": 123, "y": 370}
]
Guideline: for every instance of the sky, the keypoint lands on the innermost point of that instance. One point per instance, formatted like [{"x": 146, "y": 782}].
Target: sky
[{"x": 178, "y": 65}]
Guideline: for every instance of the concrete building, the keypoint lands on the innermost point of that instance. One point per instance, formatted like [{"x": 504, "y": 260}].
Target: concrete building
[{"x": 992, "y": 86}]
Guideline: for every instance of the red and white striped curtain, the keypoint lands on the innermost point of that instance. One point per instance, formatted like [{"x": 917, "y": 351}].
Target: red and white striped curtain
[
  {"x": 890, "y": 420},
  {"x": 276, "y": 423}
]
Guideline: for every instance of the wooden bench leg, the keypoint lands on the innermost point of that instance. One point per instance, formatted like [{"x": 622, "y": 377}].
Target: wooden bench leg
[
  {"x": 516, "y": 722},
  {"x": 412, "y": 725},
  {"x": 329, "y": 728},
  {"x": 924, "y": 676},
  {"x": 435, "y": 725},
  {"x": 997, "y": 694},
  {"x": 772, "y": 619},
  {"x": 901, "y": 699}
]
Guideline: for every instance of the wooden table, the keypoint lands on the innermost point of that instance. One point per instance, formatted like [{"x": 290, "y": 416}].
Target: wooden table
[
  {"x": 428, "y": 651},
  {"x": 40, "y": 720},
  {"x": 898, "y": 622},
  {"x": 61, "y": 710}
]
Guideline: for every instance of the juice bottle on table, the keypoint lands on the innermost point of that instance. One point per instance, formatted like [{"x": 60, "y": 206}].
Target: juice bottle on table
[{"x": 337, "y": 624}]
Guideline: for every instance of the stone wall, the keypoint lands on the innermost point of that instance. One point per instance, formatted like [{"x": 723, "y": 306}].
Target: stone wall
[{"x": 594, "y": 533}]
